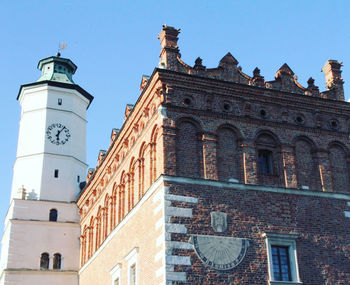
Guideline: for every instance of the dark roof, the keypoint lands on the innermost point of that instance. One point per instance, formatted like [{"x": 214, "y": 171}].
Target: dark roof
[{"x": 59, "y": 84}]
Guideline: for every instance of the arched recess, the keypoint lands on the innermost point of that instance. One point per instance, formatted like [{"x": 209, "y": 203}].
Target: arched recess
[
  {"x": 98, "y": 231},
  {"x": 228, "y": 154},
  {"x": 113, "y": 221},
  {"x": 84, "y": 243},
  {"x": 57, "y": 261},
  {"x": 188, "y": 148},
  {"x": 91, "y": 237},
  {"x": 53, "y": 215},
  {"x": 105, "y": 217},
  {"x": 339, "y": 167},
  {"x": 268, "y": 159},
  {"x": 131, "y": 182},
  {"x": 122, "y": 196},
  {"x": 44, "y": 261},
  {"x": 141, "y": 169},
  {"x": 153, "y": 160},
  {"x": 306, "y": 164}
]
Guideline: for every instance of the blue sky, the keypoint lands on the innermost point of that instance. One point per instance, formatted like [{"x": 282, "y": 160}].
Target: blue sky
[{"x": 114, "y": 43}]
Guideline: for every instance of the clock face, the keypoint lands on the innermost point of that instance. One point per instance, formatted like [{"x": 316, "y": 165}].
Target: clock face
[{"x": 57, "y": 134}]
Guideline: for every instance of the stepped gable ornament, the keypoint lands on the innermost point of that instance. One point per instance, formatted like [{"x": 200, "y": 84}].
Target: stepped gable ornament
[{"x": 218, "y": 252}]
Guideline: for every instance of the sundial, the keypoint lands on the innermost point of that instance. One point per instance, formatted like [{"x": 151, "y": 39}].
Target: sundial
[
  {"x": 219, "y": 252},
  {"x": 222, "y": 253}
]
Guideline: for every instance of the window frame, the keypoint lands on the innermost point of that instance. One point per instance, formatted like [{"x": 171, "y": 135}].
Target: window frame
[
  {"x": 132, "y": 260},
  {"x": 269, "y": 162},
  {"x": 283, "y": 240},
  {"x": 116, "y": 273}
]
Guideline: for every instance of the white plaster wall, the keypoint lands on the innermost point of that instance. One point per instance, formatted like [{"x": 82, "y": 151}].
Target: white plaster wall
[
  {"x": 39, "y": 210},
  {"x": 29, "y": 239},
  {"x": 35, "y": 278},
  {"x": 37, "y": 157},
  {"x": 27, "y": 172},
  {"x": 66, "y": 186},
  {"x": 5, "y": 241},
  {"x": 37, "y": 173}
]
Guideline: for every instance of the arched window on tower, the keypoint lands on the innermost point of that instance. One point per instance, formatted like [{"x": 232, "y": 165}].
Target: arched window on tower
[
  {"x": 57, "y": 260},
  {"x": 268, "y": 160},
  {"x": 44, "y": 261},
  {"x": 53, "y": 215}
]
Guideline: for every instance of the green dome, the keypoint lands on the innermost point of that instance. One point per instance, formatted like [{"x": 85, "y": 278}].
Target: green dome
[{"x": 58, "y": 69}]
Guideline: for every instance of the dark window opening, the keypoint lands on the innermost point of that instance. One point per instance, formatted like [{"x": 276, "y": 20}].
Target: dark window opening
[
  {"x": 53, "y": 215},
  {"x": 56, "y": 173},
  {"x": 187, "y": 101},
  {"x": 300, "y": 120},
  {"x": 263, "y": 113},
  {"x": 78, "y": 178},
  {"x": 281, "y": 264},
  {"x": 59, "y": 101},
  {"x": 44, "y": 261},
  {"x": 227, "y": 107},
  {"x": 265, "y": 162},
  {"x": 57, "y": 261}
]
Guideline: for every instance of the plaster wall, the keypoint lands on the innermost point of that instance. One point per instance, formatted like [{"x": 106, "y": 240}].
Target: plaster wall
[
  {"x": 39, "y": 277},
  {"x": 29, "y": 239},
  {"x": 142, "y": 228}
]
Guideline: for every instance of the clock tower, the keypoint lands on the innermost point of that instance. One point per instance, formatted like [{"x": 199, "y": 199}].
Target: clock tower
[{"x": 41, "y": 237}]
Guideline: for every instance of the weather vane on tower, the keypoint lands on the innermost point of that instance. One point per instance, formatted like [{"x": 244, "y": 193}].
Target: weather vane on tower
[{"x": 61, "y": 46}]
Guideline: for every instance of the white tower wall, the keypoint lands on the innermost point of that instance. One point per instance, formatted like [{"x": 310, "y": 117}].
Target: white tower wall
[{"x": 49, "y": 166}]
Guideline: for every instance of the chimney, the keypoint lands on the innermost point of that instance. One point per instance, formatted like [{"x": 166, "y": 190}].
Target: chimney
[
  {"x": 170, "y": 51},
  {"x": 334, "y": 81}
]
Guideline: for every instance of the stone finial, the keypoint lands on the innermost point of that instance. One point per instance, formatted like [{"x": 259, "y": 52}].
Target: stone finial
[
  {"x": 144, "y": 81},
  {"x": 228, "y": 60},
  {"x": 334, "y": 81},
  {"x": 128, "y": 109},
  {"x": 168, "y": 37},
  {"x": 170, "y": 51},
  {"x": 257, "y": 80},
  {"x": 114, "y": 134},
  {"x": 312, "y": 89},
  {"x": 101, "y": 156},
  {"x": 284, "y": 70},
  {"x": 198, "y": 64},
  {"x": 256, "y": 72},
  {"x": 90, "y": 173}
]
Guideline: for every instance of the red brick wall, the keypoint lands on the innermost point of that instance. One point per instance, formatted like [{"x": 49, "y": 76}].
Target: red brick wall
[{"x": 322, "y": 247}]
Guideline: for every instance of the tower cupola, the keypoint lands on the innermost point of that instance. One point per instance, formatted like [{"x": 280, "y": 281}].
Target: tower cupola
[{"x": 56, "y": 68}]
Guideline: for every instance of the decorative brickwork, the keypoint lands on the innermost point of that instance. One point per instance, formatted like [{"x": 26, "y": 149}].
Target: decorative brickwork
[{"x": 273, "y": 156}]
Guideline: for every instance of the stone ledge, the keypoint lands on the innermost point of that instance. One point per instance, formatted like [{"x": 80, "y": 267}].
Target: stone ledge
[
  {"x": 285, "y": 283},
  {"x": 253, "y": 187}
]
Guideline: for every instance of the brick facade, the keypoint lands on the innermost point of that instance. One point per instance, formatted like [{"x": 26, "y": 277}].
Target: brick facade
[{"x": 273, "y": 156}]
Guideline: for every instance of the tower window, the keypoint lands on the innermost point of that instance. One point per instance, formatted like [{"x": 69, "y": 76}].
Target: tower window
[
  {"x": 280, "y": 261},
  {"x": 282, "y": 258},
  {"x": 56, "y": 173},
  {"x": 78, "y": 178},
  {"x": 57, "y": 261},
  {"x": 53, "y": 215},
  {"x": 265, "y": 161},
  {"x": 44, "y": 261},
  {"x": 59, "y": 101}
]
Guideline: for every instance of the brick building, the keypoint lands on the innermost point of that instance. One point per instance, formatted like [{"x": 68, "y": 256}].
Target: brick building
[{"x": 218, "y": 177}]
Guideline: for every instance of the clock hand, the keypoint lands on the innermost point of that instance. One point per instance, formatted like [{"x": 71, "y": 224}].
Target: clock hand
[{"x": 58, "y": 133}]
